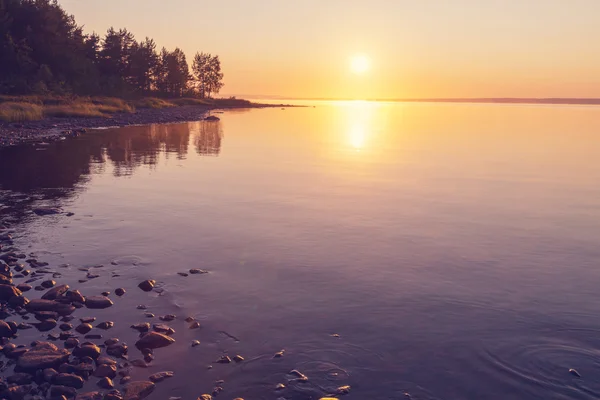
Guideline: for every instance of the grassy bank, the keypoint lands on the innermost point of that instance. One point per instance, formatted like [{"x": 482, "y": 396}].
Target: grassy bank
[{"x": 33, "y": 108}]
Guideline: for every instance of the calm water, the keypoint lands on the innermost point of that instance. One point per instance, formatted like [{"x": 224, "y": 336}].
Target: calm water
[{"x": 454, "y": 248}]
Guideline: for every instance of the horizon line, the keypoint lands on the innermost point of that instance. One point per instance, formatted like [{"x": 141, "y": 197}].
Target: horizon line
[{"x": 506, "y": 100}]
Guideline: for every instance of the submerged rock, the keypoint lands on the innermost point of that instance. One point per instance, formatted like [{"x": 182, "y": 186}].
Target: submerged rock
[
  {"x": 90, "y": 396},
  {"x": 83, "y": 328},
  {"x": 161, "y": 376},
  {"x": 120, "y": 292},
  {"x": 43, "y": 355},
  {"x": 138, "y": 390}
]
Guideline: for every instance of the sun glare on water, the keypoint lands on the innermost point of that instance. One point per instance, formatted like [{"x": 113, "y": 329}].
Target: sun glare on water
[{"x": 359, "y": 64}]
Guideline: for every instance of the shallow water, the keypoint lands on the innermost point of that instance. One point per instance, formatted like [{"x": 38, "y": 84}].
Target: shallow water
[{"x": 453, "y": 247}]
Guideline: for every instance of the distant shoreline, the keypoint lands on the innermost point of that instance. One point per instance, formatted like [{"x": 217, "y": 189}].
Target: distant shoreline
[{"x": 490, "y": 100}]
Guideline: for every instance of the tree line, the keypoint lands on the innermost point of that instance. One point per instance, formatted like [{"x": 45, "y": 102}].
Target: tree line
[{"x": 44, "y": 51}]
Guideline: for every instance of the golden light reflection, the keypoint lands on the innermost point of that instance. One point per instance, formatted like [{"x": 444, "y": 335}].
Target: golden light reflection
[{"x": 359, "y": 122}]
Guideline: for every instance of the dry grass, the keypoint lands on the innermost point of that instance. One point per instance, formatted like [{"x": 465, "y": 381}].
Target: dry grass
[
  {"x": 20, "y": 112},
  {"x": 73, "y": 110},
  {"x": 153, "y": 102},
  {"x": 190, "y": 101}
]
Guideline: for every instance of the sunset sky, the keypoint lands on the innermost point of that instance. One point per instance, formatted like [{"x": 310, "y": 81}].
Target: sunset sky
[{"x": 424, "y": 48}]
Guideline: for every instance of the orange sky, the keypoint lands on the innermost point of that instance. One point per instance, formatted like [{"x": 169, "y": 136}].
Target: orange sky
[{"x": 424, "y": 48}]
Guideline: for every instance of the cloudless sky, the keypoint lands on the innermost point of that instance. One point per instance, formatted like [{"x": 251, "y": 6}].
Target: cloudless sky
[{"x": 417, "y": 48}]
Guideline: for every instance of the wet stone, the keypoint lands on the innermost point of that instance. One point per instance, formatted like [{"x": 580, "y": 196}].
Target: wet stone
[
  {"x": 71, "y": 343},
  {"x": 111, "y": 341},
  {"x": 105, "y": 383},
  {"x": 167, "y": 318},
  {"x": 55, "y": 292},
  {"x": 113, "y": 395},
  {"x": 5, "y": 330},
  {"x": 65, "y": 327},
  {"x": 120, "y": 292},
  {"x": 224, "y": 360},
  {"x": 43, "y": 355},
  {"x": 238, "y": 358},
  {"x": 46, "y": 325},
  {"x": 23, "y": 287},
  {"x": 87, "y": 349},
  {"x": 117, "y": 350},
  {"x": 195, "y": 325},
  {"x": 161, "y": 376},
  {"x": 87, "y": 320},
  {"x": 44, "y": 315},
  {"x": 195, "y": 343},
  {"x": 8, "y": 291},
  {"x": 141, "y": 327},
  {"x": 70, "y": 380},
  {"x": 106, "y": 370},
  {"x": 20, "y": 378},
  {"x": 48, "y": 284},
  {"x": 83, "y": 328},
  {"x": 59, "y": 390},
  {"x": 90, "y": 396},
  {"x": 138, "y": 390},
  {"x": 93, "y": 336},
  {"x": 162, "y": 328},
  {"x": 105, "y": 325},
  {"x": 105, "y": 293},
  {"x": 98, "y": 302},
  {"x": 147, "y": 285},
  {"x": 196, "y": 271},
  {"x": 154, "y": 340}
]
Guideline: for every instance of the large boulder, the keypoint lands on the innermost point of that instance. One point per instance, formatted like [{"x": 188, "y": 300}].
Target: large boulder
[{"x": 43, "y": 355}]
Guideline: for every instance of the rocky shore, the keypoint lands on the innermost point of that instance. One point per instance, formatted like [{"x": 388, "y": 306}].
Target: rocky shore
[
  {"x": 74, "y": 350},
  {"x": 53, "y": 129},
  {"x": 77, "y": 357}
]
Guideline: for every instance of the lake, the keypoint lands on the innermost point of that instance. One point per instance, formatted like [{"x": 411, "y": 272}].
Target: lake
[{"x": 409, "y": 250}]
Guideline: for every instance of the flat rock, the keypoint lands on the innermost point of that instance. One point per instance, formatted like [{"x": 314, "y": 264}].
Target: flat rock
[
  {"x": 46, "y": 325},
  {"x": 43, "y": 355},
  {"x": 70, "y": 380},
  {"x": 98, "y": 302},
  {"x": 154, "y": 340},
  {"x": 161, "y": 376},
  {"x": 49, "y": 305},
  {"x": 138, "y": 390},
  {"x": 55, "y": 292}
]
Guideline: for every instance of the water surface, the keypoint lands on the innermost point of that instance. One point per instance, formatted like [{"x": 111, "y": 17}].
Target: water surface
[{"x": 452, "y": 247}]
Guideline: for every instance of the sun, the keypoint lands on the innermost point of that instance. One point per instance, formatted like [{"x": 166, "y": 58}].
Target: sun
[{"x": 359, "y": 64}]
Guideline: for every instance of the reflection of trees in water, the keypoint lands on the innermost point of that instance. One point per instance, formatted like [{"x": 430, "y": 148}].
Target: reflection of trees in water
[
  {"x": 58, "y": 171},
  {"x": 208, "y": 137}
]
